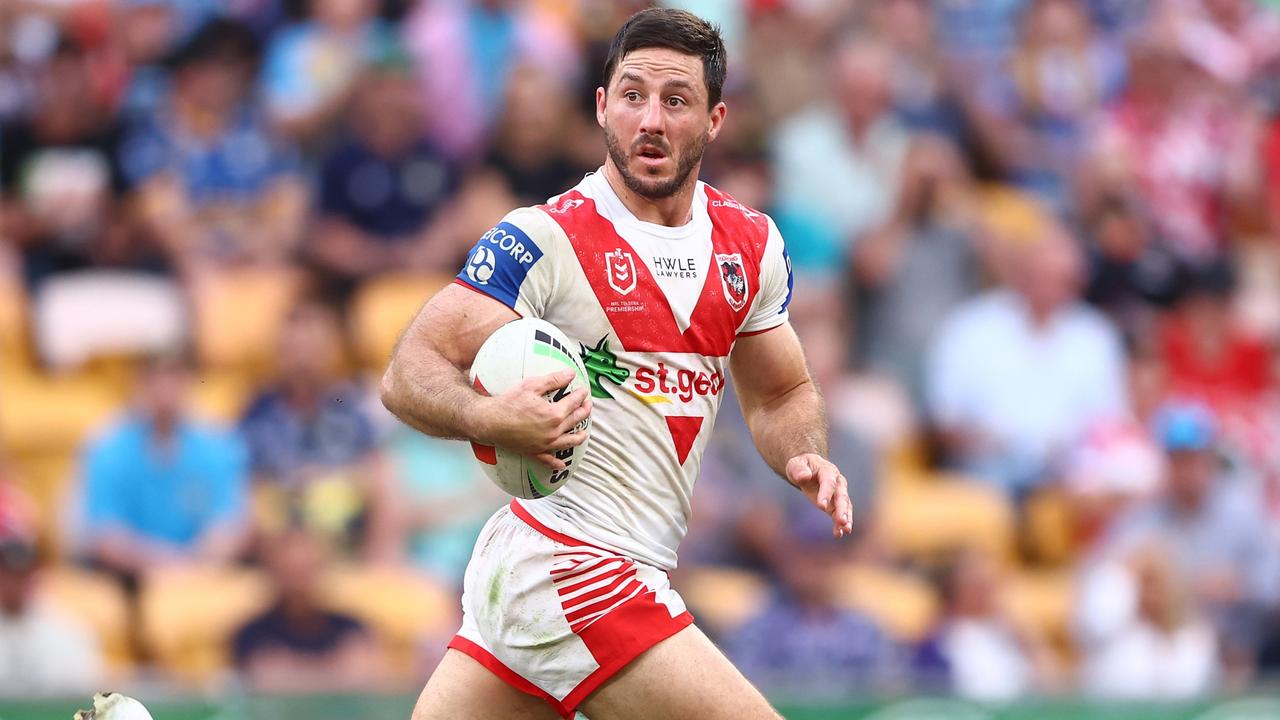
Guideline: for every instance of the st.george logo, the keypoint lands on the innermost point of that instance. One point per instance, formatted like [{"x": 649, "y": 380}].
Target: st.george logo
[
  {"x": 620, "y": 266},
  {"x": 734, "y": 279},
  {"x": 480, "y": 265}
]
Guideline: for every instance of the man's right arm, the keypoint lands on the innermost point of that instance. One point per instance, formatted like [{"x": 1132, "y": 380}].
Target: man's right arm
[{"x": 426, "y": 387}]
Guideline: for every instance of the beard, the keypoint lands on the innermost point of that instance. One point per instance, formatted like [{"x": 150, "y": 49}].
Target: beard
[{"x": 686, "y": 160}]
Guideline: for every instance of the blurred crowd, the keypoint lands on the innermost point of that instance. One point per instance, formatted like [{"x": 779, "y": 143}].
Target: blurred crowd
[{"x": 1037, "y": 256}]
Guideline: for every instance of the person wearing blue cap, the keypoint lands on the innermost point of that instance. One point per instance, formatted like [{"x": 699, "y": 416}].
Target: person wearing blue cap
[{"x": 1213, "y": 523}]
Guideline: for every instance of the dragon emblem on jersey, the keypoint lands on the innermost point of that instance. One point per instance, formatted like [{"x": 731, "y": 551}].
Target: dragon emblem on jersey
[
  {"x": 600, "y": 363},
  {"x": 734, "y": 279},
  {"x": 620, "y": 266}
]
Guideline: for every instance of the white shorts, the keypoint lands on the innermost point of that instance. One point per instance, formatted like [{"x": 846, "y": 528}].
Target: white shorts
[{"x": 556, "y": 617}]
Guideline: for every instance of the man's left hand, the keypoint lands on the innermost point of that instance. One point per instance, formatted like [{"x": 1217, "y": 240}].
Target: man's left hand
[{"x": 820, "y": 481}]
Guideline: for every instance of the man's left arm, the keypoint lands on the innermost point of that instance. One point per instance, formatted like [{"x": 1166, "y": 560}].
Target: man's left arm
[{"x": 787, "y": 419}]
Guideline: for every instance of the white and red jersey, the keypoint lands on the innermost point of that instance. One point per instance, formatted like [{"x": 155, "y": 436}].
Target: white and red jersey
[{"x": 655, "y": 311}]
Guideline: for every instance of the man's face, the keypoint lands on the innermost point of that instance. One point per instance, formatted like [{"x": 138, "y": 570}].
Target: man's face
[
  {"x": 1191, "y": 475},
  {"x": 163, "y": 391},
  {"x": 655, "y": 119},
  {"x": 310, "y": 347}
]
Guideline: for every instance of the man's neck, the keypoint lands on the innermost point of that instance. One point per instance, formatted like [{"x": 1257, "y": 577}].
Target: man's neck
[{"x": 673, "y": 211}]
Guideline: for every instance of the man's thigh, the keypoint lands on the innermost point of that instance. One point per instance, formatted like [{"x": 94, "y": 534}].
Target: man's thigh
[
  {"x": 682, "y": 677},
  {"x": 463, "y": 689}
]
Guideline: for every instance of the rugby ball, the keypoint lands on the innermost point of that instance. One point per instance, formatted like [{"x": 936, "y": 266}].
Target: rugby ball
[{"x": 525, "y": 348}]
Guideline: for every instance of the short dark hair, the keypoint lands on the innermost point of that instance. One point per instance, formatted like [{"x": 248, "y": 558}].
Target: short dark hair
[
  {"x": 677, "y": 30},
  {"x": 218, "y": 41}
]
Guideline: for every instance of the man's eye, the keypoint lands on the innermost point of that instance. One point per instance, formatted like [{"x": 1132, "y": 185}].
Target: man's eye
[
  {"x": 632, "y": 95},
  {"x": 675, "y": 100}
]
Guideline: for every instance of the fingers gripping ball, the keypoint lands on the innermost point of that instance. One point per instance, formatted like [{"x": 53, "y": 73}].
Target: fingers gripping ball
[{"x": 524, "y": 348}]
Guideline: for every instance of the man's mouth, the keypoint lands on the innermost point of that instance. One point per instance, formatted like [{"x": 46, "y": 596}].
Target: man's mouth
[{"x": 651, "y": 152}]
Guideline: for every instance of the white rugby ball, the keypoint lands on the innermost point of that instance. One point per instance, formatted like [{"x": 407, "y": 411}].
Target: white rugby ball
[{"x": 524, "y": 348}]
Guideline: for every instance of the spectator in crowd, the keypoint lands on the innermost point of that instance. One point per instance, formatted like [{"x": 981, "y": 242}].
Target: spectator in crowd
[
  {"x": 311, "y": 443},
  {"x": 466, "y": 52},
  {"x": 1208, "y": 354},
  {"x": 443, "y": 500},
  {"x": 975, "y": 651},
  {"x": 842, "y": 164},
  {"x": 211, "y": 182},
  {"x": 297, "y": 645},
  {"x": 915, "y": 268},
  {"x": 146, "y": 31},
  {"x": 1131, "y": 274},
  {"x": 979, "y": 36},
  {"x": 804, "y": 643},
  {"x": 1215, "y": 528},
  {"x": 923, "y": 85},
  {"x": 1060, "y": 73},
  {"x": 1114, "y": 467},
  {"x": 385, "y": 189},
  {"x": 1187, "y": 157},
  {"x": 1236, "y": 39},
  {"x": 43, "y": 652},
  {"x": 59, "y": 177},
  {"x": 311, "y": 67},
  {"x": 1018, "y": 373},
  {"x": 1157, "y": 645},
  {"x": 530, "y": 147},
  {"x": 161, "y": 488},
  {"x": 787, "y": 41}
]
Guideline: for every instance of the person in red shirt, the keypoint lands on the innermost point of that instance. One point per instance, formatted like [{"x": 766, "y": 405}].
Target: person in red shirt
[{"x": 1207, "y": 354}]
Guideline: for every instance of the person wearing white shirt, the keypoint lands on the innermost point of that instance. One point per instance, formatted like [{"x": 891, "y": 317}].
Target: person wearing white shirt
[
  {"x": 1142, "y": 635},
  {"x": 1017, "y": 374},
  {"x": 42, "y": 653}
]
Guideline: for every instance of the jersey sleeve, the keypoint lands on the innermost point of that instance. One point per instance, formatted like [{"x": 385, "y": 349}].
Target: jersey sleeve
[
  {"x": 770, "y": 307},
  {"x": 509, "y": 262}
]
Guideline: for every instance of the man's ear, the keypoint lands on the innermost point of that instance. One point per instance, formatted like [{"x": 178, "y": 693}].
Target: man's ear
[
  {"x": 717, "y": 120},
  {"x": 600, "y": 105}
]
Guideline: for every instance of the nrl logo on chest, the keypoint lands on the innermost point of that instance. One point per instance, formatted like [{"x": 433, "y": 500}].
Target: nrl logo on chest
[{"x": 620, "y": 268}]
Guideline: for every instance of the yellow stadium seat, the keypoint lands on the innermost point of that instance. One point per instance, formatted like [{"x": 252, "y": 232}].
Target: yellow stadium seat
[
  {"x": 99, "y": 603},
  {"x": 383, "y": 307},
  {"x": 190, "y": 615},
  {"x": 902, "y": 603},
  {"x": 221, "y": 397},
  {"x": 39, "y": 414},
  {"x": 723, "y": 597},
  {"x": 46, "y": 478},
  {"x": 1048, "y": 530},
  {"x": 1040, "y": 601},
  {"x": 239, "y": 314},
  {"x": 400, "y": 606},
  {"x": 928, "y": 520}
]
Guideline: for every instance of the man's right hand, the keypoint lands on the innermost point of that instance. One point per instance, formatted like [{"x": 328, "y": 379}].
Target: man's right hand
[{"x": 523, "y": 421}]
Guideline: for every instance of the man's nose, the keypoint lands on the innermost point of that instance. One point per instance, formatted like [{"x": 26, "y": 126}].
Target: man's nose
[{"x": 654, "y": 121}]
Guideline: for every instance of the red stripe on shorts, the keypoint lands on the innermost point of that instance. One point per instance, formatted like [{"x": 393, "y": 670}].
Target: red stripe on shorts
[{"x": 507, "y": 675}]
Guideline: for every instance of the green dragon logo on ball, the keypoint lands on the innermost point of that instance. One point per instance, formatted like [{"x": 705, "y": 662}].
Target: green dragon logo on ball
[{"x": 601, "y": 363}]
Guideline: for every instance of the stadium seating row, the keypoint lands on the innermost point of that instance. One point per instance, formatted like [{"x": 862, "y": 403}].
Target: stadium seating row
[{"x": 190, "y": 614}]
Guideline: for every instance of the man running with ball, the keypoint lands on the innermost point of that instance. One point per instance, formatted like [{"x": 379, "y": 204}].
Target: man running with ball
[{"x": 668, "y": 285}]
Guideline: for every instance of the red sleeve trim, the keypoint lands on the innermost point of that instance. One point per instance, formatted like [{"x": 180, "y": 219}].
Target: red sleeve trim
[
  {"x": 481, "y": 293},
  {"x": 760, "y": 332}
]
